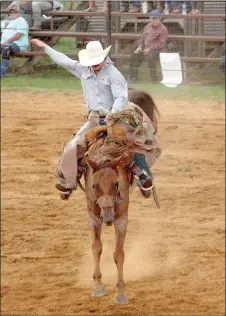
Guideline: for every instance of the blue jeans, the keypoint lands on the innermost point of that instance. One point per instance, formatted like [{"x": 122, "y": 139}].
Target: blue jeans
[
  {"x": 102, "y": 121},
  {"x": 136, "y": 4},
  {"x": 6, "y": 51},
  {"x": 141, "y": 162}
]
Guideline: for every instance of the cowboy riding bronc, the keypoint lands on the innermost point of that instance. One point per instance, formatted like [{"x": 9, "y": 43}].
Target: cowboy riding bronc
[{"x": 105, "y": 93}]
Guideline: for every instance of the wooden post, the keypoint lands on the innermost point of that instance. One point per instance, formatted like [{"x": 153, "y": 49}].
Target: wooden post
[
  {"x": 109, "y": 24},
  {"x": 188, "y": 47},
  {"x": 201, "y": 45},
  {"x": 117, "y": 26},
  {"x": 187, "y": 43},
  {"x": 51, "y": 22}
]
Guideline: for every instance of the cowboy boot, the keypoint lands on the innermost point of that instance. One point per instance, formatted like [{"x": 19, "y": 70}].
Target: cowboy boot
[
  {"x": 142, "y": 171},
  {"x": 61, "y": 186},
  {"x": 145, "y": 183},
  {"x": 64, "y": 192}
]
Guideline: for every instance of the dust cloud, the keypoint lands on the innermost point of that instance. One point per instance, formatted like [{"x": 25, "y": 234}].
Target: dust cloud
[{"x": 144, "y": 253}]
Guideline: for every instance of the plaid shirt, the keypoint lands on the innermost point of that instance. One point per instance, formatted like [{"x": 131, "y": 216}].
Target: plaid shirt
[{"x": 154, "y": 37}]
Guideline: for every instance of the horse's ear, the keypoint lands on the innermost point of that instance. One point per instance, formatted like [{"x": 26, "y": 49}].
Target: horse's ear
[
  {"x": 115, "y": 162},
  {"x": 91, "y": 163}
]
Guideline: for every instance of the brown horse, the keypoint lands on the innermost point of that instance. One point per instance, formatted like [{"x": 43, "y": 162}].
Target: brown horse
[
  {"x": 107, "y": 183},
  {"x": 107, "y": 193}
]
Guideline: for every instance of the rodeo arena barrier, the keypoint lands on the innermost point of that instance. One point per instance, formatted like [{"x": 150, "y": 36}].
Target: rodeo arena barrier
[{"x": 194, "y": 48}]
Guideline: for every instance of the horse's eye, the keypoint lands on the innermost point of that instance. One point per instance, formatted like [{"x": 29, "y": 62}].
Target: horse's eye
[{"x": 94, "y": 186}]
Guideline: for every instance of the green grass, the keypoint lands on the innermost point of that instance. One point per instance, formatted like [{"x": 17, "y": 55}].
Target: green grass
[
  {"x": 184, "y": 169},
  {"x": 184, "y": 91},
  {"x": 66, "y": 45},
  {"x": 71, "y": 83},
  {"x": 41, "y": 83}
]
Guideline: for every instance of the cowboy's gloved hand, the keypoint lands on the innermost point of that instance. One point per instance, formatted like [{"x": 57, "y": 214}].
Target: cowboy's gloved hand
[
  {"x": 110, "y": 117},
  {"x": 38, "y": 43},
  {"x": 138, "y": 50}
]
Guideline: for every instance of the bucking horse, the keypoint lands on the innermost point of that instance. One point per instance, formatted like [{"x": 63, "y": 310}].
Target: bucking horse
[{"x": 108, "y": 178}]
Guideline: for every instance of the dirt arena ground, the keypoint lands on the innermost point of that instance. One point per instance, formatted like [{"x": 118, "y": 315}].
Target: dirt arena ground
[{"x": 174, "y": 256}]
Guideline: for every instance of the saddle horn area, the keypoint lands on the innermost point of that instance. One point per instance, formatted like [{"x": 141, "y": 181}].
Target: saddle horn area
[{"x": 113, "y": 131}]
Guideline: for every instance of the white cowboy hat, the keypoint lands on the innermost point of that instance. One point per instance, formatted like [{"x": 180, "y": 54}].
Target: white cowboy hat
[
  {"x": 94, "y": 54},
  {"x": 14, "y": 6}
]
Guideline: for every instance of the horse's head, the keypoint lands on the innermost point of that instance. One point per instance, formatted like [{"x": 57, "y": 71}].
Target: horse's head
[{"x": 105, "y": 185}]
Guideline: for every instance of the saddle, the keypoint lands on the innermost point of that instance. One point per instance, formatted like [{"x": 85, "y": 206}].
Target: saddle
[
  {"x": 104, "y": 130},
  {"x": 118, "y": 134}
]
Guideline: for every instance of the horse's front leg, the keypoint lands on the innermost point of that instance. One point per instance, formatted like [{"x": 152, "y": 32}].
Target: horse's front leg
[
  {"x": 120, "y": 234},
  {"x": 98, "y": 287}
]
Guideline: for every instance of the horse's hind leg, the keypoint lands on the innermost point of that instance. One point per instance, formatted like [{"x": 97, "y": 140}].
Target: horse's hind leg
[
  {"x": 98, "y": 287},
  {"x": 120, "y": 234}
]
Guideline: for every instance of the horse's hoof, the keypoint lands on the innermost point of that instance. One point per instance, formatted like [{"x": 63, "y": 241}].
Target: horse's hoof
[
  {"x": 121, "y": 299},
  {"x": 99, "y": 291}
]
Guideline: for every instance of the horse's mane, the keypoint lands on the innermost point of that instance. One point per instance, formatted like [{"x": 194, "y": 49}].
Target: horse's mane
[{"x": 106, "y": 149}]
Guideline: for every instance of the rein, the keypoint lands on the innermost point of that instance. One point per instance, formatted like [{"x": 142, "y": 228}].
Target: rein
[
  {"x": 80, "y": 185},
  {"x": 118, "y": 198}
]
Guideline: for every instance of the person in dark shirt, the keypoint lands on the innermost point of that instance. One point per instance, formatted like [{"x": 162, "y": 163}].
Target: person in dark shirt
[{"x": 153, "y": 41}]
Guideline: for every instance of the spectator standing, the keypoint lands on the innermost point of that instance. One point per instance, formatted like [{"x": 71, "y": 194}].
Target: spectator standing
[
  {"x": 125, "y": 6},
  {"x": 153, "y": 41},
  {"x": 14, "y": 37}
]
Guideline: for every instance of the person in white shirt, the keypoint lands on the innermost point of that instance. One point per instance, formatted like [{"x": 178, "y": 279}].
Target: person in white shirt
[
  {"x": 104, "y": 89},
  {"x": 14, "y": 38},
  {"x": 105, "y": 93}
]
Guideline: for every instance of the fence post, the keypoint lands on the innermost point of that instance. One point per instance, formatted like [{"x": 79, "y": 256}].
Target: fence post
[
  {"x": 117, "y": 27},
  {"x": 109, "y": 24},
  {"x": 201, "y": 45}
]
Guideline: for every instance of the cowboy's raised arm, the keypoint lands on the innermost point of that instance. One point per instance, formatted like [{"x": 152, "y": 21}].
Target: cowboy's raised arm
[
  {"x": 119, "y": 90},
  {"x": 60, "y": 59}
]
